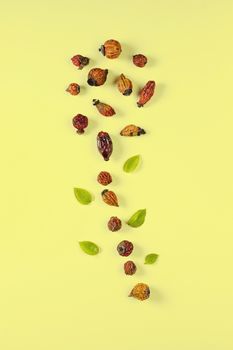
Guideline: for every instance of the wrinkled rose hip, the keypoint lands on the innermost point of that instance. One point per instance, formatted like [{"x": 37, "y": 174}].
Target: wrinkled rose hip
[
  {"x": 114, "y": 224},
  {"x": 104, "y": 178},
  {"x": 130, "y": 268},
  {"x": 80, "y": 122},
  {"x": 80, "y": 61},
  {"x": 139, "y": 60},
  {"x": 125, "y": 248},
  {"x": 73, "y": 89}
]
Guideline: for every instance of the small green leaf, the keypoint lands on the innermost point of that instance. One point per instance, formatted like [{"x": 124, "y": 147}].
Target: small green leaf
[
  {"x": 151, "y": 258},
  {"x": 137, "y": 219},
  {"x": 83, "y": 196},
  {"x": 89, "y": 248},
  {"x": 131, "y": 164}
]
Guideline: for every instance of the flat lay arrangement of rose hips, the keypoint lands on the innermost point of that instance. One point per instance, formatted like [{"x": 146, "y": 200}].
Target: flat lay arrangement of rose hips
[{"x": 96, "y": 77}]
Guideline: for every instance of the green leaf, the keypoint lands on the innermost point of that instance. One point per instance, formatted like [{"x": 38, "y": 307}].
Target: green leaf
[
  {"x": 151, "y": 258},
  {"x": 137, "y": 219},
  {"x": 83, "y": 196},
  {"x": 89, "y": 248},
  {"x": 131, "y": 164}
]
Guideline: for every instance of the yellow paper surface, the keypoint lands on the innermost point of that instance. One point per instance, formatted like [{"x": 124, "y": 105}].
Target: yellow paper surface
[{"x": 53, "y": 296}]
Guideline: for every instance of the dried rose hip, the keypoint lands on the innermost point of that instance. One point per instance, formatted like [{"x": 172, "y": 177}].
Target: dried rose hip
[
  {"x": 146, "y": 93},
  {"x": 124, "y": 85},
  {"x": 104, "y": 144},
  {"x": 104, "y": 178},
  {"x": 97, "y": 76},
  {"x": 139, "y": 60},
  {"x": 111, "y": 49},
  {"x": 125, "y": 248},
  {"x": 110, "y": 198},
  {"x": 103, "y": 108},
  {"x": 80, "y": 122},
  {"x": 130, "y": 268},
  {"x": 114, "y": 224},
  {"x": 73, "y": 89},
  {"x": 141, "y": 291},
  {"x": 80, "y": 61}
]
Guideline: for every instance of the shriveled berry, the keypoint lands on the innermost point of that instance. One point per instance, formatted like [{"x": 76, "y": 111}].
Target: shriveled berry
[
  {"x": 73, "y": 89},
  {"x": 139, "y": 60},
  {"x": 114, "y": 224},
  {"x": 110, "y": 198},
  {"x": 130, "y": 268},
  {"x": 103, "y": 108},
  {"x": 80, "y": 122},
  {"x": 97, "y": 76},
  {"x": 141, "y": 291},
  {"x": 111, "y": 49},
  {"x": 104, "y": 178},
  {"x": 80, "y": 61},
  {"x": 104, "y": 144},
  {"x": 125, "y": 248}
]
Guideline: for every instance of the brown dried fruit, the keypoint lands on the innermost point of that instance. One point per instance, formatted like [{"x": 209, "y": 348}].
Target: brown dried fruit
[
  {"x": 132, "y": 130},
  {"x": 110, "y": 198},
  {"x": 130, "y": 268},
  {"x": 104, "y": 178},
  {"x": 114, "y": 224},
  {"x": 139, "y": 60},
  {"x": 73, "y": 89},
  {"x": 111, "y": 49},
  {"x": 80, "y": 122},
  {"x": 103, "y": 108},
  {"x": 125, "y": 248},
  {"x": 80, "y": 61},
  {"x": 124, "y": 85},
  {"x": 97, "y": 76},
  {"x": 146, "y": 93},
  {"x": 104, "y": 144},
  {"x": 141, "y": 291}
]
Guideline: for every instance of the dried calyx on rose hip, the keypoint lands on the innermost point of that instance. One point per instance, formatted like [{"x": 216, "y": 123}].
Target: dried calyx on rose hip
[
  {"x": 114, "y": 224},
  {"x": 141, "y": 291},
  {"x": 130, "y": 268},
  {"x": 97, "y": 76},
  {"x": 125, "y": 248},
  {"x": 104, "y": 178},
  {"x": 103, "y": 108},
  {"x": 146, "y": 93},
  {"x": 104, "y": 144},
  {"x": 132, "y": 130},
  {"x": 124, "y": 85},
  {"x": 110, "y": 198},
  {"x": 73, "y": 89},
  {"x": 80, "y": 122},
  {"x": 139, "y": 60},
  {"x": 111, "y": 49},
  {"x": 80, "y": 61}
]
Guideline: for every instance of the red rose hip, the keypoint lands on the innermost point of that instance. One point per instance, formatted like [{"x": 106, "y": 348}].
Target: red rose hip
[
  {"x": 130, "y": 268},
  {"x": 125, "y": 248},
  {"x": 80, "y": 122}
]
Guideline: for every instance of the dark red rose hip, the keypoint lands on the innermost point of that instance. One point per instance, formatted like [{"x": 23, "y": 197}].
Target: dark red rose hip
[
  {"x": 104, "y": 178},
  {"x": 80, "y": 61},
  {"x": 114, "y": 224},
  {"x": 125, "y": 248},
  {"x": 130, "y": 268},
  {"x": 80, "y": 122},
  {"x": 104, "y": 144}
]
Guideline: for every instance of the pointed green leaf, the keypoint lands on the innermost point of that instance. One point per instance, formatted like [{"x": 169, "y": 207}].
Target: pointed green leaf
[
  {"x": 151, "y": 258},
  {"x": 131, "y": 164},
  {"x": 89, "y": 248},
  {"x": 83, "y": 196},
  {"x": 137, "y": 219}
]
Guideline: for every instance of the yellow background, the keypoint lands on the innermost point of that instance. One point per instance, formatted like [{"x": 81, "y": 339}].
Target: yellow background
[{"x": 52, "y": 295}]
